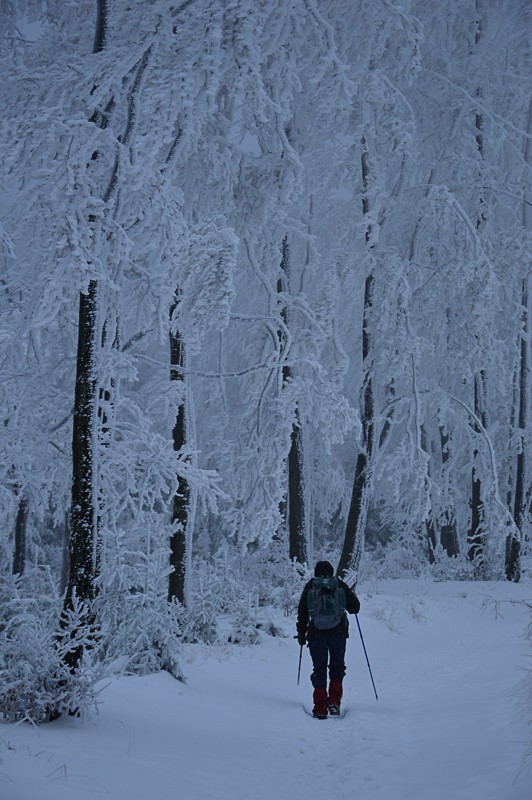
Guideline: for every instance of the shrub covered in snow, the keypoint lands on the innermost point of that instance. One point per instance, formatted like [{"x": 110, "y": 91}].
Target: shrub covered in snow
[
  {"x": 141, "y": 631},
  {"x": 36, "y": 683}
]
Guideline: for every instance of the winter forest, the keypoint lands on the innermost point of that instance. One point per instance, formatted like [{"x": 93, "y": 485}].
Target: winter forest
[{"x": 264, "y": 298}]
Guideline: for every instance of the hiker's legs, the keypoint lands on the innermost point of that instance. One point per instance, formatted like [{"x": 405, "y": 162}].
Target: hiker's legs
[
  {"x": 321, "y": 704},
  {"x": 319, "y": 653},
  {"x": 337, "y": 657},
  {"x": 336, "y": 691},
  {"x": 336, "y": 669}
]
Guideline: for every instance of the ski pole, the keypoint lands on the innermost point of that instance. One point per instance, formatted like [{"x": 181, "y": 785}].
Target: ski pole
[
  {"x": 299, "y": 668},
  {"x": 367, "y": 659}
]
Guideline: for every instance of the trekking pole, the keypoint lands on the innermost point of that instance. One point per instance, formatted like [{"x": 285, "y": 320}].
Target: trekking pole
[
  {"x": 367, "y": 659},
  {"x": 299, "y": 668}
]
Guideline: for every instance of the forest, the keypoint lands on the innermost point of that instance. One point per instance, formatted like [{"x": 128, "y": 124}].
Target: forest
[{"x": 264, "y": 298}]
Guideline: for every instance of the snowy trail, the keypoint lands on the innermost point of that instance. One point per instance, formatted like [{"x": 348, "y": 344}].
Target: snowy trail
[{"x": 446, "y": 725}]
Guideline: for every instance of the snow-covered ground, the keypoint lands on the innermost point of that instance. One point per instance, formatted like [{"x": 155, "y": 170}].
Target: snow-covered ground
[{"x": 448, "y": 724}]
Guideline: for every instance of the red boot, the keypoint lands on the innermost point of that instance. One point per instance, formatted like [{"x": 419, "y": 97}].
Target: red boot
[
  {"x": 320, "y": 703},
  {"x": 335, "y": 697}
]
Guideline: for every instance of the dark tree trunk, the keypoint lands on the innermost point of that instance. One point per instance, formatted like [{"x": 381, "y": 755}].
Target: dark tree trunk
[
  {"x": 448, "y": 535},
  {"x": 85, "y": 412},
  {"x": 430, "y": 535},
  {"x": 19, "y": 555},
  {"x": 358, "y": 507},
  {"x": 84, "y": 545},
  {"x": 351, "y": 552},
  {"x": 295, "y": 501},
  {"x": 510, "y": 476},
  {"x": 65, "y": 553},
  {"x": 356, "y": 519},
  {"x": 84, "y": 550},
  {"x": 430, "y": 526},
  {"x": 522, "y": 494},
  {"x": 513, "y": 562},
  {"x": 475, "y": 536},
  {"x": 355, "y": 530},
  {"x": 180, "y": 505},
  {"x": 101, "y": 25},
  {"x": 476, "y": 532},
  {"x": 388, "y": 422}
]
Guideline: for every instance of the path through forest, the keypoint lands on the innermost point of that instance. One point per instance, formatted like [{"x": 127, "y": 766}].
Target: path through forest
[{"x": 447, "y": 659}]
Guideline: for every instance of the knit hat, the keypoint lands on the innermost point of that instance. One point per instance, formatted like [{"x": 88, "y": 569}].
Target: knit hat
[{"x": 323, "y": 569}]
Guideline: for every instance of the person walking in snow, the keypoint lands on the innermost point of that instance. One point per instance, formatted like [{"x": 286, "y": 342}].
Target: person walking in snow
[{"x": 322, "y": 623}]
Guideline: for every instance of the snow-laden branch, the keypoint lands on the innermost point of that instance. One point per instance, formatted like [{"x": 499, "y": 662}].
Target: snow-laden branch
[
  {"x": 476, "y": 101},
  {"x": 507, "y": 516}
]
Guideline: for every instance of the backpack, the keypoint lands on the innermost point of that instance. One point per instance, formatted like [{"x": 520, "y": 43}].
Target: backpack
[{"x": 326, "y": 603}]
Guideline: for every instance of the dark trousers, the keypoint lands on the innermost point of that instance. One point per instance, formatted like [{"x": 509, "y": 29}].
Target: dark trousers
[{"x": 326, "y": 649}]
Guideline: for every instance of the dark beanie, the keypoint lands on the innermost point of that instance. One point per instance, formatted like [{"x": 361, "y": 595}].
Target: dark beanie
[{"x": 323, "y": 569}]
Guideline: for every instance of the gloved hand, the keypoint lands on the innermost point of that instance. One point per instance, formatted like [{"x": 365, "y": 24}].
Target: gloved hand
[{"x": 302, "y": 639}]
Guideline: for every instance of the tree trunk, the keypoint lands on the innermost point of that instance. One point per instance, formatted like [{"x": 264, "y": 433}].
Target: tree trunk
[
  {"x": 448, "y": 535},
  {"x": 180, "y": 505},
  {"x": 475, "y": 536},
  {"x": 358, "y": 508},
  {"x": 84, "y": 544},
  {"x": 476, "y": 533},
  {"x": 513, "y": 562},
  {"x": 295, "y": 501},
  {"x": 355, "y": 531},
  {"x": 510, "y": 477},
  {"x": 430, "y": 526},
  {"x": 101, "y": 25},
  {"x": 522, "y": 495},
  {"x": 352, "y": 550},
  {"x": 19, "y": 555},
  {"x": 296, "y": 498},
  {"x": 65, "y": 553}
]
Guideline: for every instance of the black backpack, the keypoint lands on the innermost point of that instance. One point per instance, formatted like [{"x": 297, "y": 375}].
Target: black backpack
[{"x": 326, "y": 603}]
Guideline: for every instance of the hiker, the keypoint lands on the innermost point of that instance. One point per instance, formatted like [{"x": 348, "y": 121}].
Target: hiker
[{"x": 322, "y": 623}]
